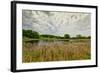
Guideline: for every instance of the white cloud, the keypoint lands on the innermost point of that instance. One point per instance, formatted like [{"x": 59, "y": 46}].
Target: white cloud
[{"x": 57, "y": 23}]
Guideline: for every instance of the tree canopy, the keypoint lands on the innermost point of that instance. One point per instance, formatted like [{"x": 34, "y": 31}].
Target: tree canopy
[
  {"x": 66, "y": 36},
  {"x": 36, "y": 35},
  {"x": 30, "y": 34}
]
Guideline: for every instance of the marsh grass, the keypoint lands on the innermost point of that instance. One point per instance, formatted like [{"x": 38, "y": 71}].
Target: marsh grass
[{"x": 32, "y": 52}]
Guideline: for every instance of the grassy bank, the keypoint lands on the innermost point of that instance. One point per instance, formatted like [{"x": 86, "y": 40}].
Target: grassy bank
[{"x": 52, "y": 51}]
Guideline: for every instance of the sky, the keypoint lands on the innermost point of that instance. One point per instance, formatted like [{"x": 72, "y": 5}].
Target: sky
[{"x": 57, "y": 23}]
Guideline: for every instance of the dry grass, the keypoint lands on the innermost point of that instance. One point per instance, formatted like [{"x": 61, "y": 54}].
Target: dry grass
[{"x": 56, "y": 51}]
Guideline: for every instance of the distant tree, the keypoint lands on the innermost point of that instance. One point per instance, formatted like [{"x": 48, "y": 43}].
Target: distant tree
[
  {"x": 78, "y": 36},
  {"x": 81, "y": 37},
  {"x": 66, "y": 36},
  {"x": 34, "y": 35},
  {"x": 27, "y": 33},
  {"x": 30, "y": 34},
  {"x": 89, "y": 37}
]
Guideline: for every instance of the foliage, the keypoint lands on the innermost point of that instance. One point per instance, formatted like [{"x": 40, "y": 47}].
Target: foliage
[
  {"x": 68, "y": 48},
  {"x": 67, "y": 36},
  {"x": 79, "y": 36},
  {"x": 51, "y": 36},
  {"x": 30, "y": 34},
  {"x": 36, "y": 35}
]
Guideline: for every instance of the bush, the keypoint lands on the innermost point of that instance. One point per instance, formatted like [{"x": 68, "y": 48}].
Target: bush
[{"x": 30, "y": 34}]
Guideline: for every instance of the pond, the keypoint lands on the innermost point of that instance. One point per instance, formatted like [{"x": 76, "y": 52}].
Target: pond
[{"x": 38, "y": 42}]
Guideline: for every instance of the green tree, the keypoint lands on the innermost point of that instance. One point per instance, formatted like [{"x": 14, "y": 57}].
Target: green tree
[
  {"x": 66, "y": 36},
  {"x": 89, "y": 37},
  {"x": 27, "y": 33},
  {"x": 34, "y": 35},
  {"x": 30, "y": 34},
  {"x": 78, "y": 36}
]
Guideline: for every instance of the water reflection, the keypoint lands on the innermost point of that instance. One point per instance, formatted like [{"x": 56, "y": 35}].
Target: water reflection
[
  {"x": 45, "y": 42},
  {"x": 37, "y": 42}
]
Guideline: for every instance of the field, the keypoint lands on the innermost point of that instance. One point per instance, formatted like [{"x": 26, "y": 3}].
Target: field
[{"x": 41, "y": 51}]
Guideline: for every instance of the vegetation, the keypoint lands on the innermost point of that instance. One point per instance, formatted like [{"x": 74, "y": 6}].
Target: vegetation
[
  {"x": 67, "y": 36},
  {"x": 44, "y": 47},
  {"x": 30, "y": 34},
  {"x": 56, "y": 51},
  {"x": 36, "y": 35}
]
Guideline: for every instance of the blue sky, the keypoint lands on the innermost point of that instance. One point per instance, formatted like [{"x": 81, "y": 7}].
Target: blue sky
[{"x": 57, "y": 23}]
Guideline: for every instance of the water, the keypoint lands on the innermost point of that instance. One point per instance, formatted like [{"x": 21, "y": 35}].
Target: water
[{"x": 38, "y": 42}]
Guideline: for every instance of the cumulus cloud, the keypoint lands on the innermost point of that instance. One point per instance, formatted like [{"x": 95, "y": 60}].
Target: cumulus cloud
[{"x": 57, "y": 23}]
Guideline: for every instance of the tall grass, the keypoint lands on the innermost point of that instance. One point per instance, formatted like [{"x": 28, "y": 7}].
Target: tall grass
[{"x": 56, "y": 51}]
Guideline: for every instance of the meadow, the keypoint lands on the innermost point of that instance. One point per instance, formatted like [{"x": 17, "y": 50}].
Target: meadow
[{"x": 57, "y": 50}]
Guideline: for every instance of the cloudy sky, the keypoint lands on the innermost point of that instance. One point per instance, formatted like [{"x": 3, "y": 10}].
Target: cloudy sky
[{"x": 57, "y": 23}]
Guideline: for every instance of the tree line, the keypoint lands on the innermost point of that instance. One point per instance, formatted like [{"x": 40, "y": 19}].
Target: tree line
[{"x": 36, "y": 35}]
